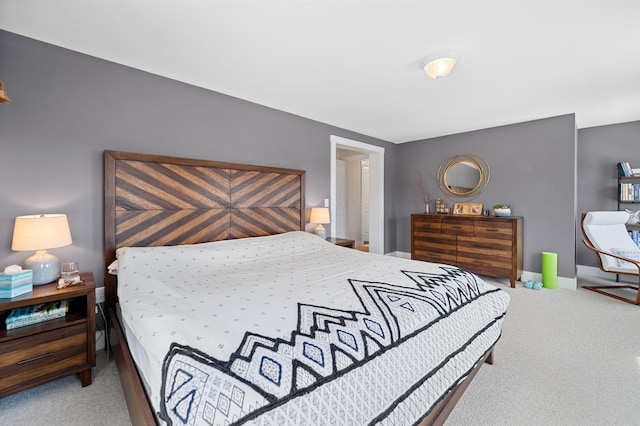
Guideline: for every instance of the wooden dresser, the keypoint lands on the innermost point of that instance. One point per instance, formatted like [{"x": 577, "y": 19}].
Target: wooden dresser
[{"x": 485, "y": 245}]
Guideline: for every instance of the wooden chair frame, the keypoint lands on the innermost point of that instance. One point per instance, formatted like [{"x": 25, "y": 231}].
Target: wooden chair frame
[{"x": 602, "y": 288}]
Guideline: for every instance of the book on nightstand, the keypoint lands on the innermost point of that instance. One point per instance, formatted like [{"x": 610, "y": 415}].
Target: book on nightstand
[{"x": 34, "y": 314}]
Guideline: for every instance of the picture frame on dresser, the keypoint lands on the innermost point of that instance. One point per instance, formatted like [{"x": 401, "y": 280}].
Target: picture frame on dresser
[{"x": 473, "y": 209}]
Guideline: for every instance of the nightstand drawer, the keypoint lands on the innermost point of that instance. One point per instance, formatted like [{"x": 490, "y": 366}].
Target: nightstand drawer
[{"x": 29, "y": 358}]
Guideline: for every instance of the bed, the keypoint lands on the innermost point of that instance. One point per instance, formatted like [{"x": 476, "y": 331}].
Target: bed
[{"x": 225, "y": 311}]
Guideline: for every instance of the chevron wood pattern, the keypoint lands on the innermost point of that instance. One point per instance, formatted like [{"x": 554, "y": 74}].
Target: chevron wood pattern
[
  {"x": 159, "y": 186},
  {"x": 152, "y": 200},
  {"x": 171, "y": 227},
  {"x": 157, "y": 200}
]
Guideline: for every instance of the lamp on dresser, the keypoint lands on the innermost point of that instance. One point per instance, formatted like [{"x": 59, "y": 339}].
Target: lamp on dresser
[
  {"x": 39, "y": 233},
  {"x": 320, "y": 216}
]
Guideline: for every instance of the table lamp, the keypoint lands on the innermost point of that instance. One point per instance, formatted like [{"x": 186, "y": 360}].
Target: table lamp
[
  {"x": 319, "y": 215},
  {"x": 39, "y": 233}
]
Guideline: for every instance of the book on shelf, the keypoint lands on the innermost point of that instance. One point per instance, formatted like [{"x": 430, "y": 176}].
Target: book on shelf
[
  {"x": 630, "y": 192},
  {"x": 621, "y": 170},
  {"x": 625, "y": 169},
  {"x": 34, "y": 314}
]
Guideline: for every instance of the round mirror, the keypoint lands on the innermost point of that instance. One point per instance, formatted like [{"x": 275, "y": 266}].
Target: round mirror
[{"x": 463, "y": 176}]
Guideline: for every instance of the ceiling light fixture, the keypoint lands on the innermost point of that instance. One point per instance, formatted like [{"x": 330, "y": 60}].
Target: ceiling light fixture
[{"x": 439, "y": 65}]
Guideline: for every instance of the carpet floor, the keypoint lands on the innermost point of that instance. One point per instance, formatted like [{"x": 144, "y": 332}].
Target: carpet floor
[
  {"x": 565, "y": 358},
  {"x": 66, "y": 402}
]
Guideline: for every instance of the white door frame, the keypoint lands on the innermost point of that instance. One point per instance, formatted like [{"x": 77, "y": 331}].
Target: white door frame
[
  {"x": 364, "y": 200},
  {"x": 376, "y": 188}
]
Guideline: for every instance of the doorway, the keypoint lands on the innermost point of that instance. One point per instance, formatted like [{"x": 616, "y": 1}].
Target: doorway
[{"x": 357, "y": 192}]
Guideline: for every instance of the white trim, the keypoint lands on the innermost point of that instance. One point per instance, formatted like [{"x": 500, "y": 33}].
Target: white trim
[
  {"x": 376, "y": 182},
  {"x": 592, "y": 271},
  {"x": 563, "y": 282},
  {"x": 364, "y": 147},
  {"x": 401, "y": 254}
]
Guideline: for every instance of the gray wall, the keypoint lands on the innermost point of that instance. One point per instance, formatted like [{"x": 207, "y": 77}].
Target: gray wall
[
  {"x": 599, "y": 151},
  {"x": 532, "y": 169},
  {"x": 67, "y": 108}
]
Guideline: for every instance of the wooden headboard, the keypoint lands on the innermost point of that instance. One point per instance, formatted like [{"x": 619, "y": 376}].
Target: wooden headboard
[{"x": 153, "y": 200}]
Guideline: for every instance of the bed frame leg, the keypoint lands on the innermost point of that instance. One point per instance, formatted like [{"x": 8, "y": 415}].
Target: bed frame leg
[{"x": 489, "y": 359}]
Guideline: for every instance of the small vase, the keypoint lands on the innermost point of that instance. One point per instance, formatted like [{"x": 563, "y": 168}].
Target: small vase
[{"x": 426, "y": 208}]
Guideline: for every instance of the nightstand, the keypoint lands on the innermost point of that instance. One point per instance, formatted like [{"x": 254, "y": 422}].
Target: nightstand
[
  {"x": 342, "y": 242},
  {"x": 38, "y": 353}
]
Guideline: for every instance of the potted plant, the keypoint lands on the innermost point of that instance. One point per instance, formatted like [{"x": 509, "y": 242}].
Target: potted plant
[{"x": 502, "y": 210}]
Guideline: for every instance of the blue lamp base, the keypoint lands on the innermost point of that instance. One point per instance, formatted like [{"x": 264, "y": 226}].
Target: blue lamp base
[
  {"x": 320, "y": 231},
  {"x": 45, "y": 266}
]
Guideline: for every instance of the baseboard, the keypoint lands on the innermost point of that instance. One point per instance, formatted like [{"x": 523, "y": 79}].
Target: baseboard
[
  {"x": 563, "y": 282},
  {"x": 592, "y": 271},
  {"x": 402, "y": 254}
]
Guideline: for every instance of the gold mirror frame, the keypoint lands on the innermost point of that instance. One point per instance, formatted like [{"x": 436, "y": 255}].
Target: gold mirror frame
[{"x": 476, "y": 161}]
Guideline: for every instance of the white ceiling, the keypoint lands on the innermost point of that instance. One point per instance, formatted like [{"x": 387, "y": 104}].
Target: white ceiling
[{"x": 357, "y": 64}]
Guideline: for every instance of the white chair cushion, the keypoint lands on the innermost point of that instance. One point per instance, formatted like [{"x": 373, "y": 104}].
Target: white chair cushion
[
  {"x": 606, "y": 218},
  {"x": 607, "y": 230},
  {"x": 633, "y": 254}
]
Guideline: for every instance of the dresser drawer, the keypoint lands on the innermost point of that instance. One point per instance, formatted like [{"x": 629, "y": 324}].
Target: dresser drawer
[
  {"x": 484, "y": 247},
  {"x": 427, "y": 224},
  {"x": 490, "y": 266},
  {"x": 458, "y": 227},
  {"x": 438, "y": 248},
  {"x": 435, "y": 257},
  {"x": 494, "y": 229},
  {"x": 31, "y": 358},
  {"x": 485, "y": 256}
]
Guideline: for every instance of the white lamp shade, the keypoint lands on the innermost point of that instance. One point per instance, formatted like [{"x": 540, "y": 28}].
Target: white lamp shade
[
  {"x": 319, "y": 215},
  {"x": 41, "y": 232},
  {"x": 439, "y": 65}
]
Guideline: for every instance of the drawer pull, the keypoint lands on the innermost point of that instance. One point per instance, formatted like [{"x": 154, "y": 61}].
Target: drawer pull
[{"x": 35, "y": 358}]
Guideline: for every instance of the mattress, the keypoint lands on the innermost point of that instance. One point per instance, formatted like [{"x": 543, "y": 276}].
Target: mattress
[{"x": 291, "y": 329}]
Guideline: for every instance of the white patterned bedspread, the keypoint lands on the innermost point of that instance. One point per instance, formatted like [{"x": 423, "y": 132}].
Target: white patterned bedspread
[{"x": 291, "y": 329}]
